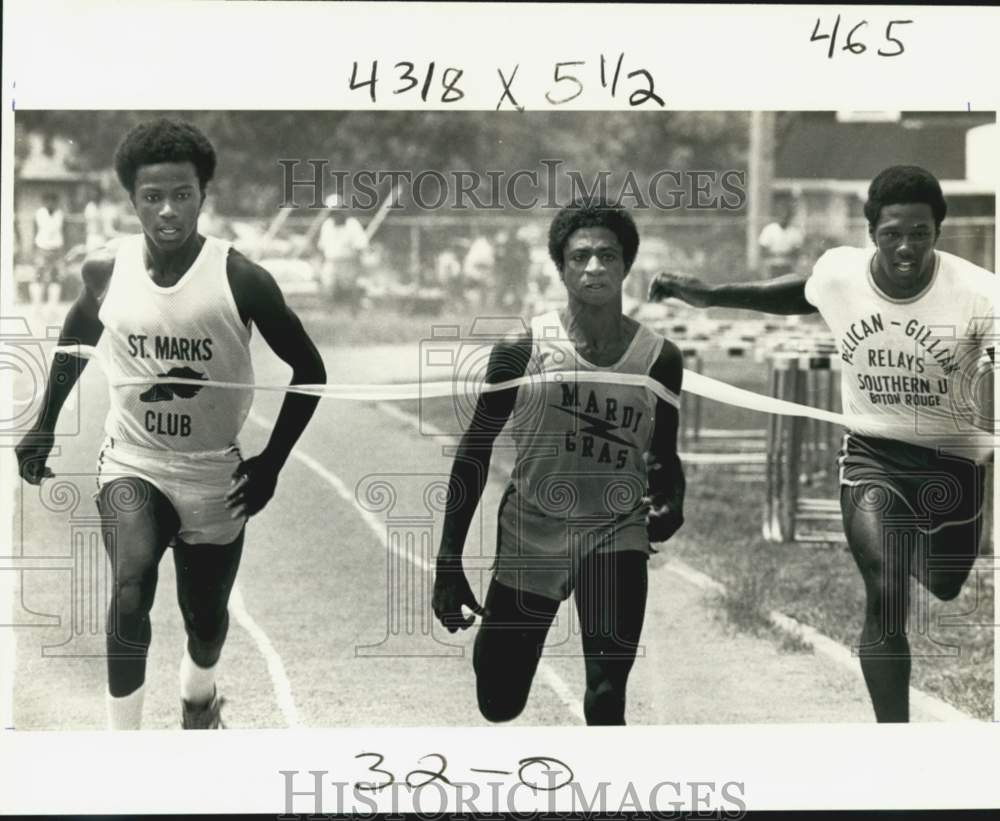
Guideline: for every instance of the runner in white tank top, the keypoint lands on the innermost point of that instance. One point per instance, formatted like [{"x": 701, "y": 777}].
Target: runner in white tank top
[
  {"x": 915, "y": 330},
  {"x": 596, "y": 478},
  {"x": 192, "y": 330},
  {"x": 174, "y": 303}
]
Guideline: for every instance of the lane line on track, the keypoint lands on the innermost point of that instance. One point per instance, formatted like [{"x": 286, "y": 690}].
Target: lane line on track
[
  {"x": 555, "y": 682},
  {"x": 275, "y": 667}
]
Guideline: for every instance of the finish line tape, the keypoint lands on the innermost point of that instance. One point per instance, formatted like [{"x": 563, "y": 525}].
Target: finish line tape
[{"x": 694, "y": 383}]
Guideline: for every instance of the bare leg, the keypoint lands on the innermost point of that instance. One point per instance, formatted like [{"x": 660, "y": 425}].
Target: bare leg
[{"x": 507, "y": 649}]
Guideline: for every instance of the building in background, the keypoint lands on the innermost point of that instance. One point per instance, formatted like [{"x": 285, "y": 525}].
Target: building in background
[{"x": 825, "y": 161}]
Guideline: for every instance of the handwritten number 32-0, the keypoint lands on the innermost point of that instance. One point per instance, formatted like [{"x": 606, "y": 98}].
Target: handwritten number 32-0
[
  {"x": 427, "y": 775},
  {"x": 559, "y": 774},
  {"x": 894, "y": 46}
]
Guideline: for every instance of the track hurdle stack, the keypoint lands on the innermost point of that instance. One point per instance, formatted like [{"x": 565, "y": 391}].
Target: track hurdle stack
[
  {"x": 692, "y": 432},
  {"x": 801, "y": 453},
  {"x": 690, "y": 409},
  {"x": 717, "y": 445}
]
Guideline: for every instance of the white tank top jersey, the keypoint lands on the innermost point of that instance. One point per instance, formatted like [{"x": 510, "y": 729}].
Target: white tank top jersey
[
  {"x": 579, "y": 477},
  {"x": 908, "y": 364},
  {"x": 191, "y": 329}
]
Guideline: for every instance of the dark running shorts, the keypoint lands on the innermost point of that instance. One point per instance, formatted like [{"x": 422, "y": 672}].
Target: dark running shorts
[{"x": 939, "y": 488}]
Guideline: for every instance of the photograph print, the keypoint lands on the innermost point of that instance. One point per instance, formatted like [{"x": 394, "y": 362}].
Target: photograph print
[{"x": 467, "y": 418}]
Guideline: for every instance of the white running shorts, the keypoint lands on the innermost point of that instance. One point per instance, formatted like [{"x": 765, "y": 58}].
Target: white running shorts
[{"x": 194, "y": 483}]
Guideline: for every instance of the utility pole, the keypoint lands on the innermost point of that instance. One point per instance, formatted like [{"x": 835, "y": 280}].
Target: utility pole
[{"x": 760, "y": 176}]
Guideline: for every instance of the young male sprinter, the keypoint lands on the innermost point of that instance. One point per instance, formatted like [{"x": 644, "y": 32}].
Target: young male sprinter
[
  {"x": 913, "y": 326},
  {"x": 172, "y": 302},
  {"x": 597, "y": 477}
]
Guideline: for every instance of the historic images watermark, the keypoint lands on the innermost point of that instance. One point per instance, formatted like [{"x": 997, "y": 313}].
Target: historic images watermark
[
  {"x": 24, "y": 366},
  {"x": 309, "y": 183},
  {"x": 537, "y": 789}
]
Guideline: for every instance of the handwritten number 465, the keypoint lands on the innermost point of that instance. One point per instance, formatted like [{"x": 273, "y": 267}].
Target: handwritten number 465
[{"x": 894, "y": 46}]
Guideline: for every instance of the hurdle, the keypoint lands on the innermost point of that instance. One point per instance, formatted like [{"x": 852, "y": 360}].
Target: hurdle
[
  {"x": 692, "y": 431},
  {"x": 743, "y": 448},
  {"x": 800, "y": 452},
  {"x": 690, "y": 410}
]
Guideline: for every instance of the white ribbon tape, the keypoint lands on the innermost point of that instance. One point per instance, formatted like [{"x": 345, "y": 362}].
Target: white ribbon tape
[{"x": 695, "y": 383}]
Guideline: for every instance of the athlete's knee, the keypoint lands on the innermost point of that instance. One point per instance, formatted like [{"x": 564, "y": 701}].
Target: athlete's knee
[
  {"x": 500, "y": 709},
  {"x": 885, "y": 645},
  {"x": 499, "y": 701},
  {"x": 884, "y": 628},
  {"x": 133, "y": 594},
  {"x": 883, "y": 589},
  {"x": 947, "y": 583},
  {"x": 947, "y": 587},
  {"x": 948, "y": 592},
  {"x": 877, "y": 594},
  {"x": 206, "y": 626},
  {"x": 500, "y": 691},
  {"x": 886, "y": 612}
]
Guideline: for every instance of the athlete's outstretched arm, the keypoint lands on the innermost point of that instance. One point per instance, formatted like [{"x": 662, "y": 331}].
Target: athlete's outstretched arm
[
  {"x": 259, "y": 300},
  {"x": 781, "y": 295},
  {"x": 82, "y": 326},
  {"x": 665, "y": 472},
  {"x": 508, "y": 360}
]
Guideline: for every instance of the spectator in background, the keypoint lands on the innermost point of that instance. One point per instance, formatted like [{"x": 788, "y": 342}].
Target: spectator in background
[
  {"x": 49, "y": 250},
  {"x": 448, "y": 273},
  {"x": 513, "y": 259},
  {"x": 342, "y": 241},
  {"x": 479, "y": 268},
  {"x": 100, "y": 217},
  {"x": 780, "y": 244}
]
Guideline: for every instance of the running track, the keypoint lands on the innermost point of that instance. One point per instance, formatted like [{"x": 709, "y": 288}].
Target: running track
[{"x": 317, "y": 641}]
